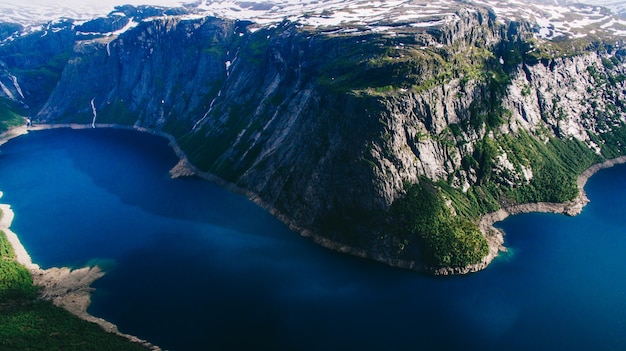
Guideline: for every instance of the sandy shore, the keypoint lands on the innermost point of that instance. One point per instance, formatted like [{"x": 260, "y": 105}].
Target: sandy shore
[
  {"x": 66, "y": 288},
  {"x": 12, "y": 133}
]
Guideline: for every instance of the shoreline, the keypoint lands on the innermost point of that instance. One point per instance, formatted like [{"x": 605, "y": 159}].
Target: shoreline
[
  {"x": 494, "y": 236},
  {"x": 67, "y": 288},
  {"x": 569, "y": 208},
  {"x": 184, "y": 168}
]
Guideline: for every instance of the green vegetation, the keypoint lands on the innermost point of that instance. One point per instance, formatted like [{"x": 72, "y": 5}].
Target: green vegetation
[
  {"x": 539, "y": 50},
  {"x": 8, "y": 117},
  {"x": 116, "y": 112},
  {"x": 206, "y": 150},
  {"x": 15, "y": 280},
  {"x": 436, "y": 218},
  {"x": 381, "y": 65},
  {"x": 448, "y": 241},
  {"x": 556, "y": 165},
  {"x": 612, "y": 143},
  {"x": 28, "y": 323},
  {"x": 39, "y": 325},
  {"x": 256, "y": 50},
  {"x": 50, "y": 70},
  {"x": 215, "y": 50},
  {"x": 46, "y": 72},
  {"x": 442, "y": 217}
]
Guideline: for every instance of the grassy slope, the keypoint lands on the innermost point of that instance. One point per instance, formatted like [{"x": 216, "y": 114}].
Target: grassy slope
[
  {"x": 28, "y": 323},
  {"x": 8, "y": 118}
]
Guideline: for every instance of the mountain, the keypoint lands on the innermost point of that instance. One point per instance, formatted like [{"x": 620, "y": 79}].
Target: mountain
[
  {"x": 381, "y": 129},
  {"x": 617, "y": 6}
]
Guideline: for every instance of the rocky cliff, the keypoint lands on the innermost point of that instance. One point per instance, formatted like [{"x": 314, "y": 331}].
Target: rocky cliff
[{"x": 389, "y": 142}]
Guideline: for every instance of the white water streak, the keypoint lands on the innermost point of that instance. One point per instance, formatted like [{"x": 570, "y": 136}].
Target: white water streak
[
  {"x": 17, "y": 86},
  {"x": 219, "y": 93},
  {"x": 95, "y": 113},
  {"x": 229, "y": 65},
  {"x": 7, "y": 91},
  {"x": 108, "y": 49}
]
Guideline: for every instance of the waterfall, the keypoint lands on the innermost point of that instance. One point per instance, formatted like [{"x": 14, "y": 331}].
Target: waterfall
[
  {"x": 228, "y": 65},
  {"x": 95, "y": 113},
  {"x": 219, "y": 93},
  {"x": 16, "y": 84},
  {"x": 7, "y": 91}
]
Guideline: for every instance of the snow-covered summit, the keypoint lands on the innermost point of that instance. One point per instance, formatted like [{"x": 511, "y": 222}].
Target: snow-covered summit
[{"x": 554, "y": 19}]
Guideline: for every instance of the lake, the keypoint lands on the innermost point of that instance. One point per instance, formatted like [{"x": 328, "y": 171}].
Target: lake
[{"x": 191, "y": 266}]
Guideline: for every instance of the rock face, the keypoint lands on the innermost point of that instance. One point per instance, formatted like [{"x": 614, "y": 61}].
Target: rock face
[{"x": 326, "y": 127}]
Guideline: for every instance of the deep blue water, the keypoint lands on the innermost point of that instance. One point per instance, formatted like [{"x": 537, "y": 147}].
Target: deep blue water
[{"x": 191, "y": 266}]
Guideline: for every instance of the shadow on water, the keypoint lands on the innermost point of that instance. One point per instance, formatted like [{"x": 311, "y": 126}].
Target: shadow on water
[{"x": 149, "y": 185}]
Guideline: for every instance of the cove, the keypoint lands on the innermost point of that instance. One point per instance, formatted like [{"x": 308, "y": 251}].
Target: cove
[{"x": 191, "y": 266}]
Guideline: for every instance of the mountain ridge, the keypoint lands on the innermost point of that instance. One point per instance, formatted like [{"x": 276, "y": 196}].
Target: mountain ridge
[{"x": 554, "y": 18}]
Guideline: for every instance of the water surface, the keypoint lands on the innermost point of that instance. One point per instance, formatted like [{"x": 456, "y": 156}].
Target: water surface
[{"x": 191, "y": 266}]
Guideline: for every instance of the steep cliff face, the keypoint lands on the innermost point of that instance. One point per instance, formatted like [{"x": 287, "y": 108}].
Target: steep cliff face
[
  {"x": 565, "y": 98},
  {"x": 31, "y": 67},
  {"x": 160, "y": 69},
  {"x": 334, "y": 128}
]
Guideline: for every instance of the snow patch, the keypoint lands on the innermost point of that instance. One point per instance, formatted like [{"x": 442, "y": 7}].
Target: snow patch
[
  {"x": 552, "y": 20},
  {"x": 131, "y": 24}
]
